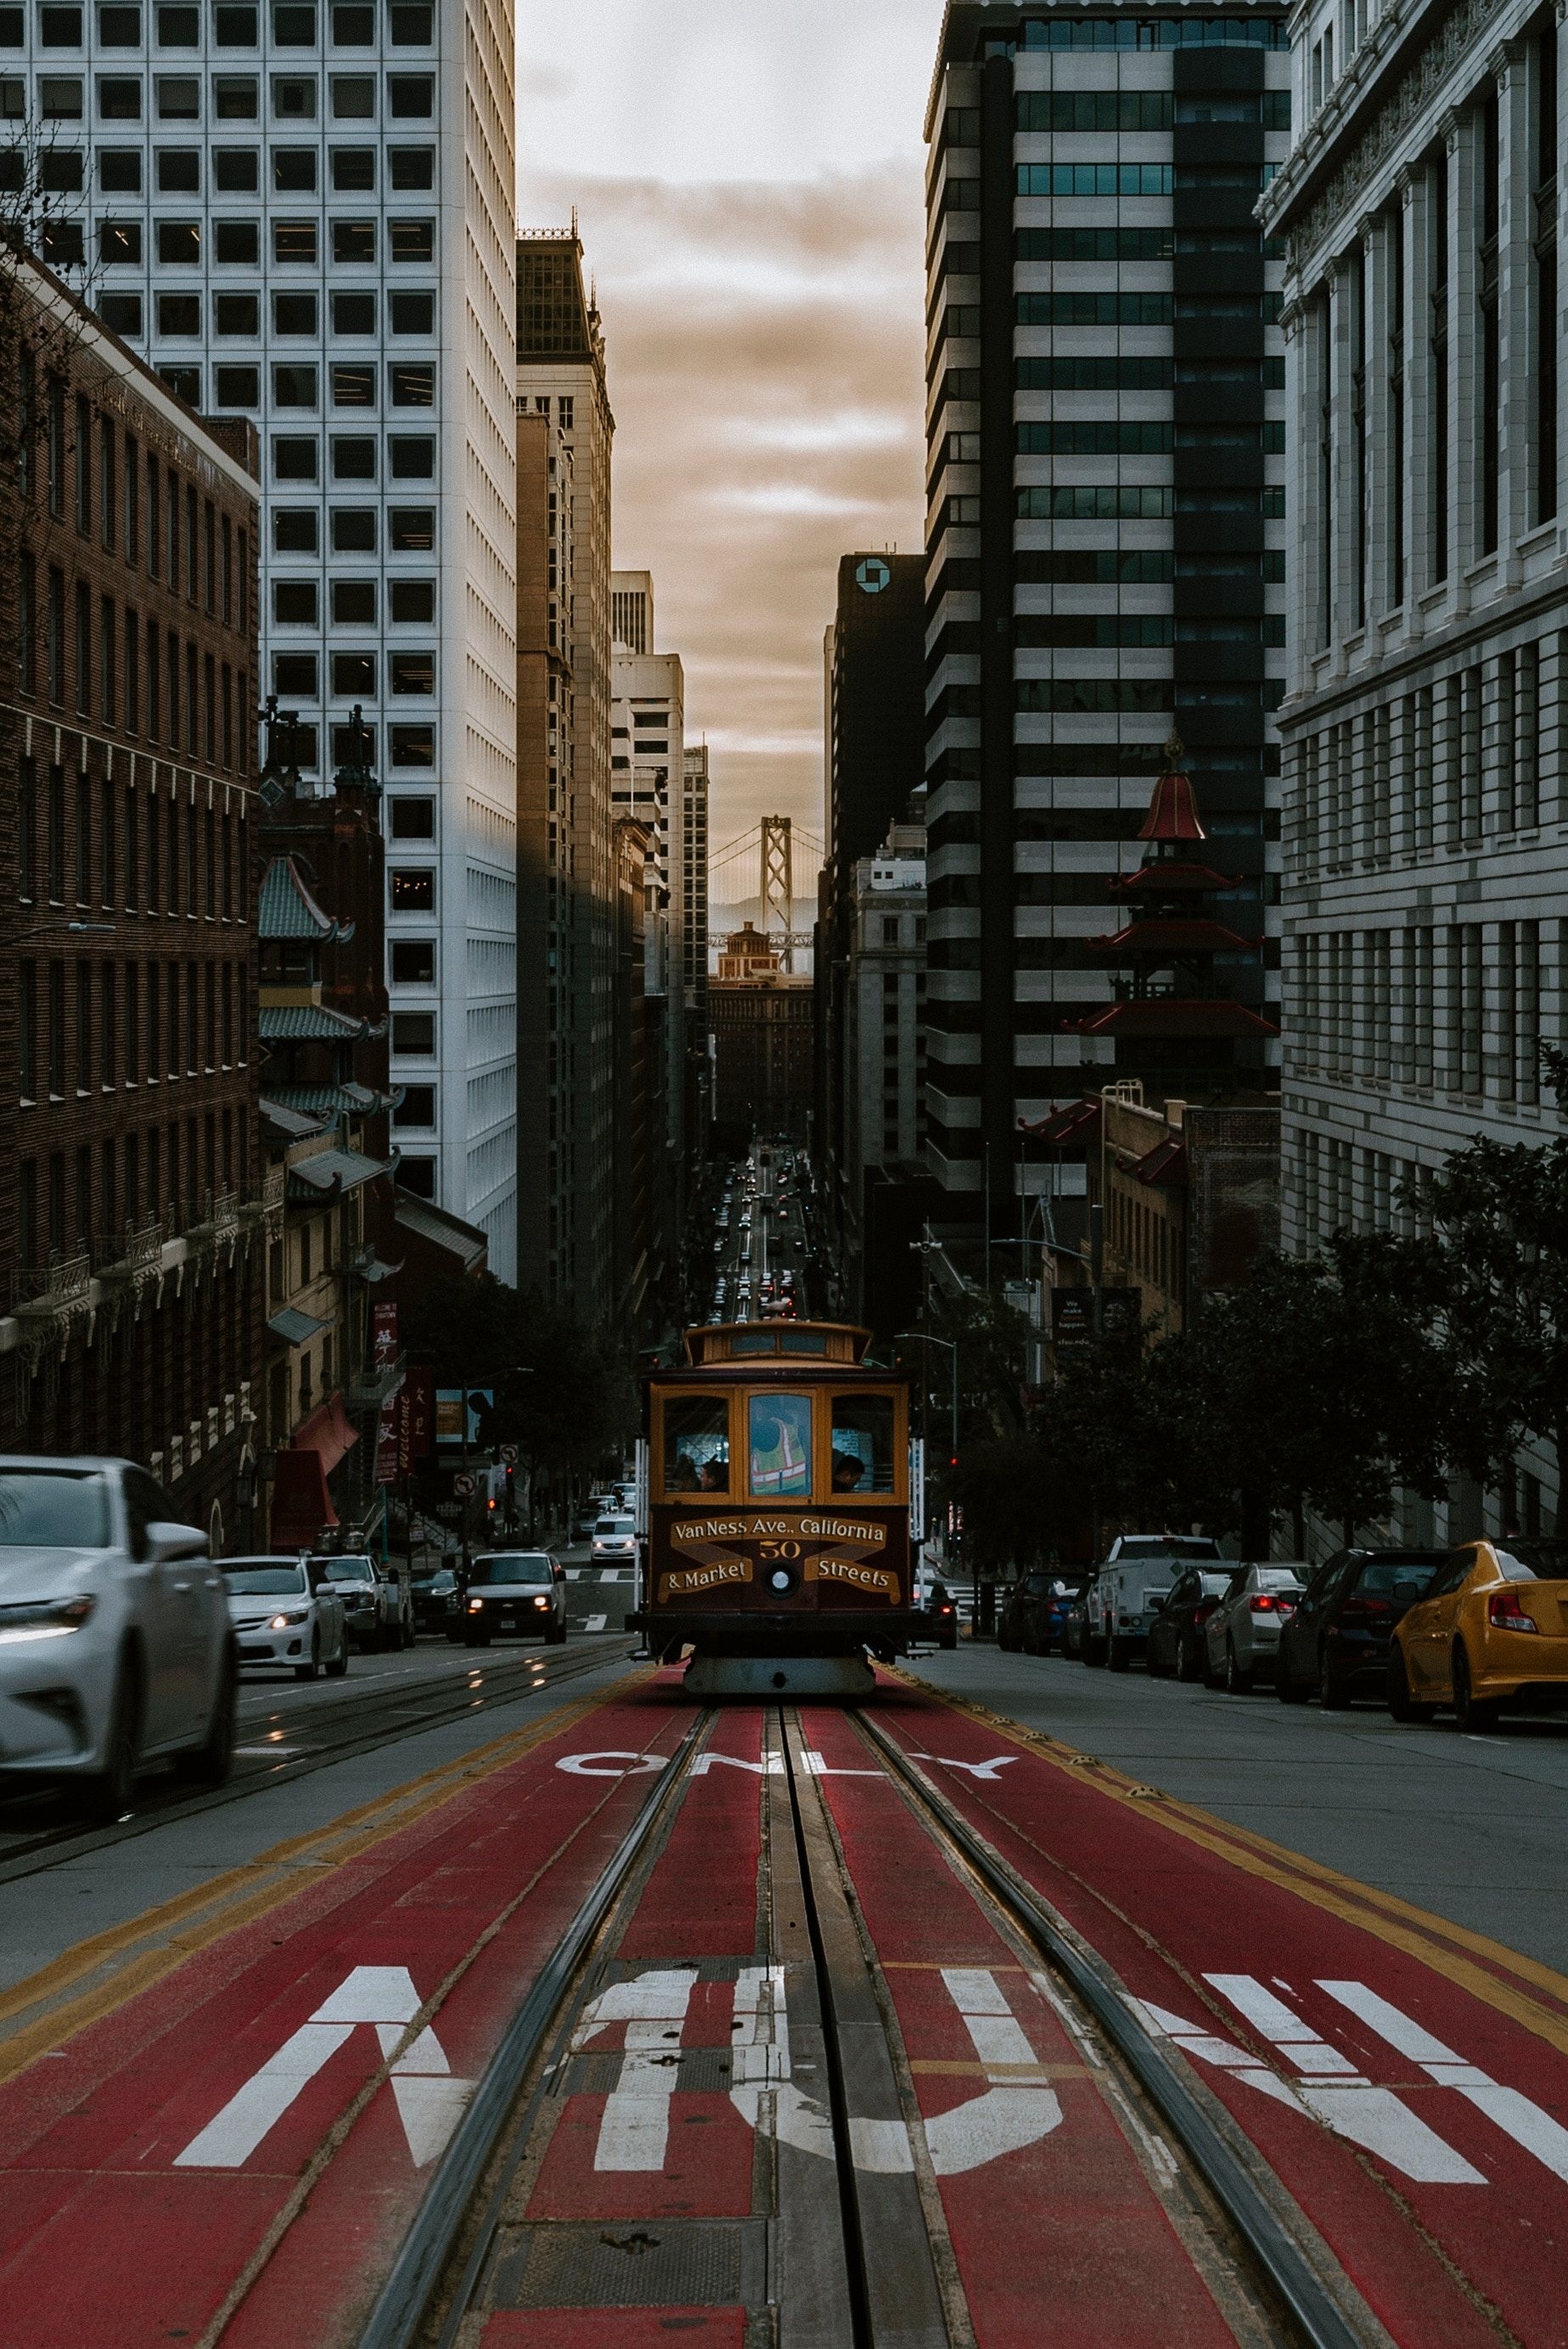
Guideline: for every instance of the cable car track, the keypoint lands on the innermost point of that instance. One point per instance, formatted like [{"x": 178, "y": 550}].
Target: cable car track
[{"x": 1271, "y": 2279}]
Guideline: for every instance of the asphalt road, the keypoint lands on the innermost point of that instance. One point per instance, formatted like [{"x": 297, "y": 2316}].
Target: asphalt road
[
  {"x": 1474, "y": 1829},
  {"x": 776, "y": 1237}
]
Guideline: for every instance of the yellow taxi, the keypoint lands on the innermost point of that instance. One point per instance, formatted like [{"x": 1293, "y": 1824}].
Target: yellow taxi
[{"x": 1492, "y": 1631}]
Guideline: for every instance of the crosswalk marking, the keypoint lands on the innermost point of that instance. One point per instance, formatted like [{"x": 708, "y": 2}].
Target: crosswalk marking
[{"x": 1513, "y": 2112}]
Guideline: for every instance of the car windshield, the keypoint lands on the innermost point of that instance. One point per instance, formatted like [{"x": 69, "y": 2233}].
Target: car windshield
[
  {"x": 265, "y": 1581},
  {"x": 45, "y": 1509},
  {"x": 613, "y": 1526},
  {"x": 1274, "y": 1579},
  {"x": 530, "y": 1566},
  {"x": 1396, "y": 1578},
  {"x": 343, "y": 1569}
]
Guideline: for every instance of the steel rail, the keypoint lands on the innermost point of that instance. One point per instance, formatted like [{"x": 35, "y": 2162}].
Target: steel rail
[
  {"x": 1313, "y": 2306},
  {"x": 402, "y": 2304}
]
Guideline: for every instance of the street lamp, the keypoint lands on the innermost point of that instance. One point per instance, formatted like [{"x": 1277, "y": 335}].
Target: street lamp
[{"x": 924, "y": 1338}]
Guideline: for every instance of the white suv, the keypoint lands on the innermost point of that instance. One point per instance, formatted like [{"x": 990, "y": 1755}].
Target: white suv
[
  {"x": 615, "y": 1541},
  {"x": 115, "y": 1646}
]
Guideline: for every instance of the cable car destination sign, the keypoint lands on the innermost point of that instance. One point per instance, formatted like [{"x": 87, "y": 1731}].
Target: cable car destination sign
[{"x": 819, "y": 1548}]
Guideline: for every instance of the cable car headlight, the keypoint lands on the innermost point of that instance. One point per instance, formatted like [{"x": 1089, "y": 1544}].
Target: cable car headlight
[{"x": 782, "y": 1579}]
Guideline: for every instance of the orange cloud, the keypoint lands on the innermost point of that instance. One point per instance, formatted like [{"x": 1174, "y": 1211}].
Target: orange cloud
[{"x": 766, "y": 349}]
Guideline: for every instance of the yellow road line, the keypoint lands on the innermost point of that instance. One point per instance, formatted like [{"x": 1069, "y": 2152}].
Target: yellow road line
[
  {"x": 1431, "y": 1940},
  {"x": 145, "y": 1949}
]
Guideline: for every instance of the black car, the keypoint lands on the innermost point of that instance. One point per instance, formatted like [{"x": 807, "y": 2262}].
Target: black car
[
  {"x": 1013, "y": 1623},
  {"x": 1336, "y": 1645},
  {"x": 942, "y": 1614},
  {"x": 1175, "y": 1646},
  {"x": 435, "y": 1591}
]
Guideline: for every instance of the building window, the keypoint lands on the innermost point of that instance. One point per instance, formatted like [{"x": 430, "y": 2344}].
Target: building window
[
  {"x": 413, "y": 962},
  {"x": 413, "y": 601},
  {"x": 414, "y": 1035},
  {"x": 235, "y": 244},
  {"x": 354, "y": 676},
  {"x": 294, "y": 170},
  {"x": 413, "y": 314},
  {"x": 296, "y": 675},
  {"x": 118, "y": 101},
  {"x": 412, "y": 240},
  {"x": 413, "y": 746},
  {"x": 353, "y": 98},
  {"x": 293, "y": 99},
  {"x": 411, "y": 459},
  {"x": 353, "y": 385},
  {"x": 411, "y": 529},
  {"x": 237, "y": 387},
  {"x": 418, "y": 1106},
  {"x": 294, "y": 460},
  {"x": 413, "y": 818},
  {"x": 411, "y": 167},
  {"x": 352, "y": 459},
  {"x": 234, "y": 171},
  {"x": 235, "y": 97},
  {"x": 354, "y": 603},
  {"x": 294, "y": 387},
  {"x": 354, "y": 313}
]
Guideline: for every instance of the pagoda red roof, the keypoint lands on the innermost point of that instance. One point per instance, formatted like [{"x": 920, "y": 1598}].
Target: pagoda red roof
[
  {"x": 1172, "y": 1016},
  {"x": 1155, "y": 935},
  {"x": 1175, "y": 875},
  {"x": 1165, "y": 1164},
  {"x": 1173, "y": 810},
  {"x": 1070, "y": 1124}
]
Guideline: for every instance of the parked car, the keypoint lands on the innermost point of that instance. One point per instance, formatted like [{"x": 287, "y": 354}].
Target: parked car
[
  {"x": 1124, "y": 1598},
  {"x": 940, "y": 1610},
  {"x": 1176, "y": 1635},
  {"x": 1128, "y": 1547},
  {"x": 1491, "y": 1631},
  {"x": 378, "y": 1604},
  {"x": 1241, "y": 1638},
  {"x": 435, "y": 1595},
  {"x": 115, "y": 1645},
  {"x": 1011, "y": 1618},
  {"x": 1336, "y": 1645},
  {"x": 1073, "y": 1622},
  {"x": 281, "y": 1615},
  {"x": 516, "y": 1593},
  {"x": 1049, "y": 1614},
  {"x": 615, "y": 1541}
]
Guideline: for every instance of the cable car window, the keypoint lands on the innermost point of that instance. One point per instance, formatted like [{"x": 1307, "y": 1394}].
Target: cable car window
[
  {"x": 863, "y": 1443},
  {"x": 779, "y": 1430},
  {"x": 697, "y": 1443},
  {"x": 755, "y": 1341}
]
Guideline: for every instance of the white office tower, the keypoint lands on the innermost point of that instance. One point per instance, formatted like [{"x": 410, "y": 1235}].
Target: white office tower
[
  {"x": 301, "y": 214},
  {"x": 647, "y": 758}
]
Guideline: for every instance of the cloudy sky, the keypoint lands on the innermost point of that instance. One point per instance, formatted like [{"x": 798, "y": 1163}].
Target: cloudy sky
[{"x": 747, "y": 175}]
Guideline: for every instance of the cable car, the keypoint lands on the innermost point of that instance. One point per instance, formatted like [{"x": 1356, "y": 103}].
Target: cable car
[{"x": 781, "y": 1499}]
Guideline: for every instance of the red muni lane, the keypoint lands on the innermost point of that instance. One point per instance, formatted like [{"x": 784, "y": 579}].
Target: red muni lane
[
  {"x": 1407, "y": 2082},
  {"x": 248, "y": 2138}
]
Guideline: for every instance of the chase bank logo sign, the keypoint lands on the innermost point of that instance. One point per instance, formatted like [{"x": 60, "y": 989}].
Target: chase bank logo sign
[{"x": 872, "y": 576}]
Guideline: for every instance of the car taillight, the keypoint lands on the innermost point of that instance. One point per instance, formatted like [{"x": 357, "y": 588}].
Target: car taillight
[
  {"x": 1504, "y": 1613},
  {"x": 1261, "y": 1604},
  {"x": 1205, "y": 1608}
]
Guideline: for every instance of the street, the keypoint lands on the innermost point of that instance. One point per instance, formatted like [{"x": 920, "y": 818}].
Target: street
[{"x": 1474, "y": 1829}]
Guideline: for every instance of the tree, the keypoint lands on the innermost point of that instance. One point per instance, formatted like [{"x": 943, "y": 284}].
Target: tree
[{"x": 1491, "y": 1278}]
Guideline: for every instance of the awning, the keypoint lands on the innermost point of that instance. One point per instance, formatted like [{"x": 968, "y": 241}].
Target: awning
[
  {"x": 286, "y": 1124},
  {"x": 326, "y": 1433},
  {"x": 291, "y": 1327},
  {"x": 341, "y": 1170},
  {"x": 302, "y": 1506}
]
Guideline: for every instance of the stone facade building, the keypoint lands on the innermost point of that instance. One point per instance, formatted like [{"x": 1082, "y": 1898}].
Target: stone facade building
[
  {"x": 1426, "y": 761},
  {"x": 762, "y": 1036},
  {"x": 134, "y": 1204}
]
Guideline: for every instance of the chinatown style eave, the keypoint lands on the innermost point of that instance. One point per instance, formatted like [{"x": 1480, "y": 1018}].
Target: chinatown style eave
[
  {"x": 1172, "y": 1016},
  {"x": 1156, "y": 937}
]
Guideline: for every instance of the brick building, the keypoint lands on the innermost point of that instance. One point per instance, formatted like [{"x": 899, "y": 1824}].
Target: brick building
[
  {"x": 763, "y": 1035},
  {"x": 132, "y": 1205}
]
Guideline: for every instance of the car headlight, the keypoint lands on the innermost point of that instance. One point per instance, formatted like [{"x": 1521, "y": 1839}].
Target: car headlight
[
  {"x": 541, "y": 1602},
  {"x": 283, "y": 1622},
  {"x": 475, "y": 1606},
  {"x": 49, "y": 1619}
]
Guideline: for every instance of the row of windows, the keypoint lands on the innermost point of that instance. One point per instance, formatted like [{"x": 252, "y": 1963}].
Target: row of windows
[
  {"x": 1141, "y": 309},
  {"x": 354, "y": 676},
  {"x": 354, "y": 458},
  {"x": 236, "y": 245},
  {"x": 1139, "y": 566},
  {"x": 131, "y": 675},
  {"x": 1055, "y": 110},
  {"x": 1142, "y": 374},
  {"x": 1424, "y": 1006},
  {"x": 234, "y": 98},
  {"x": 232, "y": 25},
  {"x": 1147, "y": 501},
  {"x": 139, "y": 1022},
  {"x": 85, "y": 842},
  {"x": 1045, "y": 632},
  {"x": 233, "y": 170},
  {"x": 156, "y": 1171},
  {"x": 135, "y": 502},
  {"x": 1090, "y": 695},
  {"x": 1146, "y": 438},
  {"x": 1145, "y": 32},
  {"x": 353, "y": 529},
  {"x": 406, "y": 746},
  {"x": 296, "y": 602}
]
